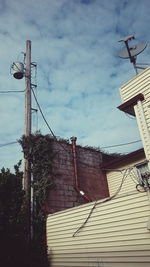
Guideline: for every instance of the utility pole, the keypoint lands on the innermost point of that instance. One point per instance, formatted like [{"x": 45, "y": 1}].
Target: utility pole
[{"x": 27, "y": 164}]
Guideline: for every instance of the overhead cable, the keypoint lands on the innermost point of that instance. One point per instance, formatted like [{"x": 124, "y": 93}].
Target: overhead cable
[
  {"x": 8, "y": 144},
  {"x": 12, "y": 91},
  {"x": 38, "y": 105},
  {"x": 43, "y": 115},
  {"x": 126, "y": 173},
  {"x": 133, "y": 142}
]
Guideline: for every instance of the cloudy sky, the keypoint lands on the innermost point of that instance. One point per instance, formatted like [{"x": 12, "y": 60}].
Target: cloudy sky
[{"x": 74, "y": 43}]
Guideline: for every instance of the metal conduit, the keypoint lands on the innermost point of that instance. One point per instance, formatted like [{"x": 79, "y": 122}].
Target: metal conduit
[{"x": 78, "y": 190}]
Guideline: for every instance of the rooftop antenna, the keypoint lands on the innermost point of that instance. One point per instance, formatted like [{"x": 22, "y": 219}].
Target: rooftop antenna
[{"x": 132, "y": 52}]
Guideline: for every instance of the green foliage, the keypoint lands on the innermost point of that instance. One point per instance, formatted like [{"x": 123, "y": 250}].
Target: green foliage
[
  {"x": 12, "y": 225},
  {"x": 11, "y": 198},
  {"x": 38, "y": 150},
  {"x": 15, "y": 249}
]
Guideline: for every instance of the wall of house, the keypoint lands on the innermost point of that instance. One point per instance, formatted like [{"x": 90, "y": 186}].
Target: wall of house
[
  {"x": 116, "y": 234},
  {"x": 140, "y": 84},
  {"x": 91, "y": 180},
  {"x": 126, "y": 172}
]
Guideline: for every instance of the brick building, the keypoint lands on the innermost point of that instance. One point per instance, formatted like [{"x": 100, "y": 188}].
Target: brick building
[{"x": 78, "y": 178}]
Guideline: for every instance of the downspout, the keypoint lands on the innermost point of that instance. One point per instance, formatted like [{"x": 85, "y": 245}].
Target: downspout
[{"x": 78, "y": 190}]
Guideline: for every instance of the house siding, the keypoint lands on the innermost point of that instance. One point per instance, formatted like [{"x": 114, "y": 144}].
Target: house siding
[
  {"x": 140, "y": 84},
  {"x": 127, "y": 171},
  {"x": 116, "y": 234}
]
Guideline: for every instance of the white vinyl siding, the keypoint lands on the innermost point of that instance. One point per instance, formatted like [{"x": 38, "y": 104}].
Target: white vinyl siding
[
  {"x": 114, "y": 178},
  {"x": 116, "y": 234},
  {"x": 140, "y": 84}
]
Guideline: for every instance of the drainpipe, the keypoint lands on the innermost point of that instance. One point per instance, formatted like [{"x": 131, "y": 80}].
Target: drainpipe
[{"x": 78, "y": 190}]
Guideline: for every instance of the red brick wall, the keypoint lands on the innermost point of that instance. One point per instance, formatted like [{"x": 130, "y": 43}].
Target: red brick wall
[{"x": 91, "y": 180}]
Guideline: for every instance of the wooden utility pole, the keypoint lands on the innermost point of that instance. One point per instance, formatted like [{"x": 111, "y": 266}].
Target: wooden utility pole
[{"x": 27, "y": 164}]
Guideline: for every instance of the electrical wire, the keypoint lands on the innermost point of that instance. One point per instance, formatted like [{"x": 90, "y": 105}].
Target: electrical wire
[
  {"x": 126, "y": 173},
  {"x": 143, "y": 189},
  {"x": 8, "y": 144},
  {"x": 135, "y": 179},
  {"x": 36, "y": 93},
  {"x": 55, "y": 135},
  {"x": 51, "y": 131},
  {"x": 12, "y": 91},
  {"x": 143, "y": 63},
  {"x": 43, "y": 115},
  {"x": 133, "y": 176},
  {"x": 122, "y": 144}
]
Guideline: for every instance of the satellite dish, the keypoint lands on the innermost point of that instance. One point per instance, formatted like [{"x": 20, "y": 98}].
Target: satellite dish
[{"x": 132, "y": 51}]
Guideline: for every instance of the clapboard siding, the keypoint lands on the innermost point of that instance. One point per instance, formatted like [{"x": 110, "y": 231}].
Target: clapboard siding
[
  {"x": 114, "y": 178},
  {"x": 115, "y": 235},
  {"x": 140, "y": 84}
]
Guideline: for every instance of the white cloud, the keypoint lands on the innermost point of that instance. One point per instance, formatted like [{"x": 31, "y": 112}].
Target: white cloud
[{"x": 75, "y": 46}]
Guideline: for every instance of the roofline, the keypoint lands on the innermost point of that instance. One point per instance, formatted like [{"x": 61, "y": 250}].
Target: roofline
[
  {"x": 122, "y": 158},
  {"x": 127, "y": 107}
]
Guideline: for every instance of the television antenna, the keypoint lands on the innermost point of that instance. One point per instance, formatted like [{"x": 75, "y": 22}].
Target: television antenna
[{"x": 131, "y": 52}]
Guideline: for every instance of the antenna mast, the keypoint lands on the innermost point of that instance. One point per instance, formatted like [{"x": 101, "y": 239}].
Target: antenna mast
[{"x": 132, "y": 52}]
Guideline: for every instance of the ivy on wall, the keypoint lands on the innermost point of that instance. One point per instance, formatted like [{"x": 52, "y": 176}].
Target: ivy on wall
[
  {"x": 38, "y": 149},
  {"x": 13, "y": 220}
]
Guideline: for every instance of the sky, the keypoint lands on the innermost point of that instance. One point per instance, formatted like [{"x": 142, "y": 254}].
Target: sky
[{"x": 75, "y": 45}]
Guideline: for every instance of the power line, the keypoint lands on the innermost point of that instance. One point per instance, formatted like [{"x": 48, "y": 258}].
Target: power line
[
  {"x": 43, "y": 115},
  {"x": 8, "y": 144},
  {"x": 126, "y": 173},
  {"x": 46, "y": 120},
  {"x": 14, "y": 142},
  {"x": 55, "y": 135},
  {"x": 1, "y": 145},
  {"x": 124, "y": 144},
  {"x": 11, "y": 91}
]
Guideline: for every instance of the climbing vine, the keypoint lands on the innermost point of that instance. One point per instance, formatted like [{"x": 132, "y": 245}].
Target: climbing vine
[{"x": 38, "y": 149}]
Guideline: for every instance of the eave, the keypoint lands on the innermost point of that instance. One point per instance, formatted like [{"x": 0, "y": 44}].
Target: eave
[
  {"x": 128, "y": 106},
  {"x": 124, "y": 159}
]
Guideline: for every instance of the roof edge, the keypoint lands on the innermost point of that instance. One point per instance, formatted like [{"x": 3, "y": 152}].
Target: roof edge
[
  {"x": 123, "y": 158},
  {"x": 127, "y": 106}
]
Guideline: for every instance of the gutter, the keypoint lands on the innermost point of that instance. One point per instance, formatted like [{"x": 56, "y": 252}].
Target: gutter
[{"x": 78, "y": 190}]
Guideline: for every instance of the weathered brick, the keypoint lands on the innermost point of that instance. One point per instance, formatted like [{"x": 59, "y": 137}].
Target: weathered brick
[
  {"x": 90, "y": 178},
  {"x": 69, "y": 204}
]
